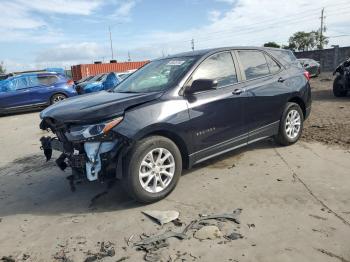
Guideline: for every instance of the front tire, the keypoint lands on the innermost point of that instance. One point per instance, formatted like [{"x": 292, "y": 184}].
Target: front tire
[
  {"x": 57, "y": 98},
  {"x": 338, "y": 87},
  {"x": 291, "y": 125},
  {"x": 153, "y": 169}
]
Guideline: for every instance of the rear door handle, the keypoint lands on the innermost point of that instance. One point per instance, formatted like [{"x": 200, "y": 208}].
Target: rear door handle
[
  {"x": 237, "y": 91},
  {"x": 281, "y": 80}
]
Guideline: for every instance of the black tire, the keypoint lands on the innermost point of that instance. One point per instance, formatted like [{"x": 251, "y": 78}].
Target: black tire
[
  {"x": 282, "y": 138},
  {"x": 131, "y": 180},
  {"x": 57, "y": 97},
  {"x": 338, "y": 87}
]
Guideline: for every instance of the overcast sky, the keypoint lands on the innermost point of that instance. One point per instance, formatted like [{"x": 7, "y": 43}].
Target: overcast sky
[{"x": 37, "y": 34}]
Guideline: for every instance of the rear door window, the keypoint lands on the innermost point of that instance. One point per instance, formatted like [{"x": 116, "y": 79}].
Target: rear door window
[
  {"x": 254, "y": 64},
  {"x": 47, "y": 80},
  {"x": 218, "y": 67},
  {"x": 273, "y": 66}
]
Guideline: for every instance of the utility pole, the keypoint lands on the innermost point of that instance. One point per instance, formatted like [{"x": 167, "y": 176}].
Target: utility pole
[
  {"x": 129, "y": 58},
  {"x": 192, "y": 44},
  {"x": 322, "y": 28},
  {"x": 110, "y": 39}
]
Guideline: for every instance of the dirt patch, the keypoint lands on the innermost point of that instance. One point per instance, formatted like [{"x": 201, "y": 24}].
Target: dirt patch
[{"x": 329, "y": 121}]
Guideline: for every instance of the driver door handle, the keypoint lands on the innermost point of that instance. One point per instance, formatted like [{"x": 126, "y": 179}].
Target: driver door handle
[{"x": 237, "y": 91}]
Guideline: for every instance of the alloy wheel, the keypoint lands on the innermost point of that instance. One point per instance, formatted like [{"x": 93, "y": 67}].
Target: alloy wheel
[
  {"x": 58, "y": 98},
  {"x": 293, "y": 124},
  {"x": 157, "y": 170}
]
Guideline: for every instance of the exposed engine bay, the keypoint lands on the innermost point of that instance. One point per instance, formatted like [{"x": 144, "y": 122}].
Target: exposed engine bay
[{"x": 90, "y": 150}]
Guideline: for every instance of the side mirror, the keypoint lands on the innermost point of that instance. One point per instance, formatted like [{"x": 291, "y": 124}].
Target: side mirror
[{"x": 201, "y": 85}]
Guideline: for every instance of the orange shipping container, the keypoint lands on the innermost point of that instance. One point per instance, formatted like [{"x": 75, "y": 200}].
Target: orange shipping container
[{"x": 84, "y": 70}]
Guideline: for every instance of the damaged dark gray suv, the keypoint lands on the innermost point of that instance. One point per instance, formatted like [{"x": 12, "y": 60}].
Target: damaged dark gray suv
[{"x": 176, "y": 112}]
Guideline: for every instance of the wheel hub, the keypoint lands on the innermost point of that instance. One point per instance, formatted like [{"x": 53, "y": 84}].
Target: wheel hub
[{"x": 157, "y": 170}]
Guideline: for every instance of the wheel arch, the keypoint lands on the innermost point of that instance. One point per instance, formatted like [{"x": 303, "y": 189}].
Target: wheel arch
[
  {"x": 179, "y": 142},
  {"x": 300, "y": 102},
  {"x": 57, "y": 93}
]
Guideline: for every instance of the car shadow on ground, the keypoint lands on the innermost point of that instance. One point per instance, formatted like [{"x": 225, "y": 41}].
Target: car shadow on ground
[
  {"x": 32, "y": 186},
  {"x": 26, "y": 112}
]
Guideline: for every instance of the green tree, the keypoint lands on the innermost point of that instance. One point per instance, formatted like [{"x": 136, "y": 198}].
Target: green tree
[
  {"x": 2, "y": 68},
  {"x": 272, "y": 44},
  {"x": 321, "y": 41},
  {"x": 303, "y": 41}
]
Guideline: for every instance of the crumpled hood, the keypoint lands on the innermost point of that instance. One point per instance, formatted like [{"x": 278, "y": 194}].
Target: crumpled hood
[{"x": 95, "y": 107}]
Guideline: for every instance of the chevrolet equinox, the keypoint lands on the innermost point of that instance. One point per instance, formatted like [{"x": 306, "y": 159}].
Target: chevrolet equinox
[{"x": 176, "y": 112}]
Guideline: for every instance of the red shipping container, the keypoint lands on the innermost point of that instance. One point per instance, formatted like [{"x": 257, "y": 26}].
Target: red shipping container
[{"x": 84, "y": 70}]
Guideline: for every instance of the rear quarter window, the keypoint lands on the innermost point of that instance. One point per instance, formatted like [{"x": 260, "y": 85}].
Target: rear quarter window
[
  {"x": 285, "y": 57},
  {"x": 254, "y": 64},
  {"x": 47, "y": 80}
]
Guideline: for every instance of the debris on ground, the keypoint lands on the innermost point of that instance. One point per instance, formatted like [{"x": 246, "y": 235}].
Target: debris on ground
[
  {"x": 106, "y": 250},
  {"x": 317, "y": 217},
  {"x": 162, "y": 217},
  {"x": 177, "y": 222},
  {"x": 7, "y": 259},
  {"x": 251, "y": 225},
  {"x": 205, "y": 227},
  {"x": 208, "y": 232},
  {"x": 25, "y": 257},
  {"x": 122, "y": 259},
  {"x": 129, "y": 240},
  {"x": 158, "y": 241},
  {"x": 233, "y": 236},
  {"x": 60, "y": 256}
]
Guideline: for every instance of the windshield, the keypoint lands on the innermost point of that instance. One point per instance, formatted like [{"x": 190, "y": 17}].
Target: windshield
[{"x": 157, "y": 75}]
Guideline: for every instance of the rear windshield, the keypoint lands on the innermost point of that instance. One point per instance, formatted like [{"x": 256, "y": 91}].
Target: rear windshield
[{"x": 286, "y": 57}]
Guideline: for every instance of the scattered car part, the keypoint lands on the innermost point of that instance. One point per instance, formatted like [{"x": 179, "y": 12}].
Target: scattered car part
[
  {"x": 162, "y": 217},
  {"x": 233, "y": 236},
  {"x": 155, "y": 242}
]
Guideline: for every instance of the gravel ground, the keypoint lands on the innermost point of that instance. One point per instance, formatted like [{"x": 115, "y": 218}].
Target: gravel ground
[{"x": 329, "y": 122}]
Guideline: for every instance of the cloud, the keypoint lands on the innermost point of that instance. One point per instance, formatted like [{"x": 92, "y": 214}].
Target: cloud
[
  {"x": 214, "y": 15},
  {"x": 86, "y": 51},
  {"x": 77, "y": 7},
  {"x": 251, "y": 22},
  {"x": 24, "y": 20},
  {"x": 123, "y": 10}
]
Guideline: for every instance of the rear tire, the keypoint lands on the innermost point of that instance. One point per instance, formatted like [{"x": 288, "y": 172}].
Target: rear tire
[
  {"x": 291, "y": 125},
  {"x": 57, "y": 98},
  {"x": 338, "y": 87},
  {"x": 150, "y": 178}
]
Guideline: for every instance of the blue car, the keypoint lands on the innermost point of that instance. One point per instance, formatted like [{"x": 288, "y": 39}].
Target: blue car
[
  {"x": 26, "y": 91},
  {"x": 99, "y": 83}
]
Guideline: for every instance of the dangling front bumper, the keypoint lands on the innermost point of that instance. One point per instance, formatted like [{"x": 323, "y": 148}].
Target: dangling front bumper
[{"x": 93, "y": 159}]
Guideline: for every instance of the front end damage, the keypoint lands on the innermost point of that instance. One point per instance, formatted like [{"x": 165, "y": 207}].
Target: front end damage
[{"x": 93, "y": 152}]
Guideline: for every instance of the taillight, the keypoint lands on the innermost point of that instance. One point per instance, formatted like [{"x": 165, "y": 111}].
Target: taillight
[
  {"x": 70, "y": 82},
  {"x": 307, "y": 75}
]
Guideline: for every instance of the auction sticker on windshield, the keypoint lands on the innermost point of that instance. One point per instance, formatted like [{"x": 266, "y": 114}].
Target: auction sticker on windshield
[{"x": 175, "y": 62}]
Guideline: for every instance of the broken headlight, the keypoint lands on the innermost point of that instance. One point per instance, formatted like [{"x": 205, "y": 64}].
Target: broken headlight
[{"x": 89, "y": 131}]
